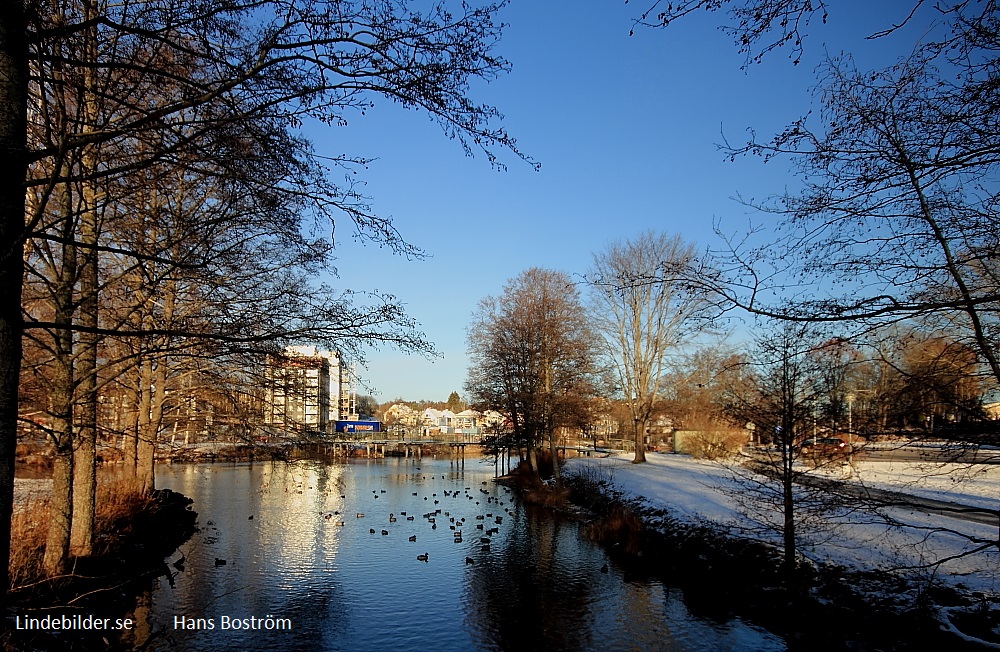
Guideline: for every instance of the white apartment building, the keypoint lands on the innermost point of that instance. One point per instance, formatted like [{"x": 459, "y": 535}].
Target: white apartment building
[{"x": 307, "y": 389}]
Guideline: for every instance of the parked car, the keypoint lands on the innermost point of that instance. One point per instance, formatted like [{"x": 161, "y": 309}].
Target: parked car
[{"x": 825, "y": 446}]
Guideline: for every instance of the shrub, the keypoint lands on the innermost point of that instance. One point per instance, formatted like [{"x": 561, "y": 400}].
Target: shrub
[
  {"x": 715, "y": 444},
  {"x": 546, "y": 496},
  {"x": 592, "y": 487}
]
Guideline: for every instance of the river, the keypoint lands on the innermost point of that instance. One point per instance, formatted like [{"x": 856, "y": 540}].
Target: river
[{"x": 288, "y": 551}]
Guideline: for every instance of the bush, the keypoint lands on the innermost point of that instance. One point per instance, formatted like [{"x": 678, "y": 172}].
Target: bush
[
  {"x": 546, "y": 496},
  {"x": 715, "y": 444}
]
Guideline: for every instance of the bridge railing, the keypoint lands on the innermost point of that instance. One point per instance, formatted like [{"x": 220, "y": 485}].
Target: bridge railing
[{"x": 405, "y": 438}]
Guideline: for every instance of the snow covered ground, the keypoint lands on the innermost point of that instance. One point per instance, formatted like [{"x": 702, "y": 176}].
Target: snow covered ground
[
  {"x": 700, "y": 491},
  {"x": 976, "y": 485}
]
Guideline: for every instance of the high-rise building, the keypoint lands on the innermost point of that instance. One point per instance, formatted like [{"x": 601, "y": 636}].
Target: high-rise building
[
  {"x": 348, "y": 403},
  {"x": 305, "y": 389}
]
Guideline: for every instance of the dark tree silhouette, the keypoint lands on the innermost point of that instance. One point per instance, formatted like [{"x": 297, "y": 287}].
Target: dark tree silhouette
[{"x": 178, "y": 84}]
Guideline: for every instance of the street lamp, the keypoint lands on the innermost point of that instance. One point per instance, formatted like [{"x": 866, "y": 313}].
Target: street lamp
[
  {"x": 850, "y": 414},
  {"x": 850, "y": 427}
]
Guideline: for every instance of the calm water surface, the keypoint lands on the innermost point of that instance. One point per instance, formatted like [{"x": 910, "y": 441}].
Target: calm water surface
[{"x": 271, "y": 544}]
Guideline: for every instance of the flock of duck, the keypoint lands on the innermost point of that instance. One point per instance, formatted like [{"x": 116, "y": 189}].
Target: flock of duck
[{"x": 486, "y": 524}]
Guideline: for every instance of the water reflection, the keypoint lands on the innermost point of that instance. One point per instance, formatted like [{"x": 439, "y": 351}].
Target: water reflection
[{"x": 295, "y": 541}]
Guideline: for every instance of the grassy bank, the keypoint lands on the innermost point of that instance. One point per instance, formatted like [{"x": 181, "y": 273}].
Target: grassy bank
[{"x": 133, "y": 533}]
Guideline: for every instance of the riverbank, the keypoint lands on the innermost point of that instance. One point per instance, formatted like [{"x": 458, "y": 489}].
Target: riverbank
[
  {"x": 132, "y": 538},
  {"x": 855, "y": 589}
]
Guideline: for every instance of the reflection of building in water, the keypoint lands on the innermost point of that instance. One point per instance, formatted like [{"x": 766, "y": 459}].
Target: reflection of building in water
[{"x": 308, "y": 389}]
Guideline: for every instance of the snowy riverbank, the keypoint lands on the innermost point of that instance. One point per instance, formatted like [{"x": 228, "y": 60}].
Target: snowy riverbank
[{"x": 701, "y": 492}]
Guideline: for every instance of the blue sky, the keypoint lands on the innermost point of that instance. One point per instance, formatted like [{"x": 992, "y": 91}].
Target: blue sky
[{"x": 626, "y": 130}]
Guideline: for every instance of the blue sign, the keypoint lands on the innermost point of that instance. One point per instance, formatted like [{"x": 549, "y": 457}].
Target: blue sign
[{"x": 359, "y": 426}]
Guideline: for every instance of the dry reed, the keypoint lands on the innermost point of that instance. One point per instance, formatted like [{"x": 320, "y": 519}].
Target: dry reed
[
  {"x": 619, "y": 529},
  {"x": 28, "y": 529},
  {"x": 546, "y": 496},
  {"x": 118, "y": 501}
]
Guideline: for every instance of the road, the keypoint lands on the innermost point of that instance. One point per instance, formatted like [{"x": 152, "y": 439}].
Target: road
[
  {"x": 885, "y": 498},
  {"x": 968, "y": 455}
]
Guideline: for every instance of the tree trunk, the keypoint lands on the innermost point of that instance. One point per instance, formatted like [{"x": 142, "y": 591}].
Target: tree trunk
[
  {"x": 144, "y": 445},
  {"x": 130, "y": 426},
  {"x": 13, "y": 168},
  {"x": 62, "y": 398},
  {"x": 640, "y": 441},
  {"x": 84, "y": 463},
  {"x": 788, "y": 530},
  {"x": 788, "y": 422},
  {"x": 146, "y": 461},
  {"x": 555, "y": 458},
  {"x": 533, "y": 463},
  {"x": 85, "y": 469},
  {"x": 60, "y": 514},
  {"x": 60, "y": 510}
]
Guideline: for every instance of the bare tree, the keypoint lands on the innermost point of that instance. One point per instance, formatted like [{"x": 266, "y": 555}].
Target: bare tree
[
  {"x": 533, "y": 357},
  {"x": 836, "y": 363},
  {"x": 160, "y": 82},
  {"x": 641, "y": 306},
  {"x": 897, "y": 216},
  {"x": 780, "y": 400},
  {"x": 935, "y": 385}
]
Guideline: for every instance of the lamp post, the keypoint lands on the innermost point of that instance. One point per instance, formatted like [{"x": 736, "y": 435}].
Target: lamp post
[
  {"x": 850, "y": 414},
  {"x": 850, "y": 427}
]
